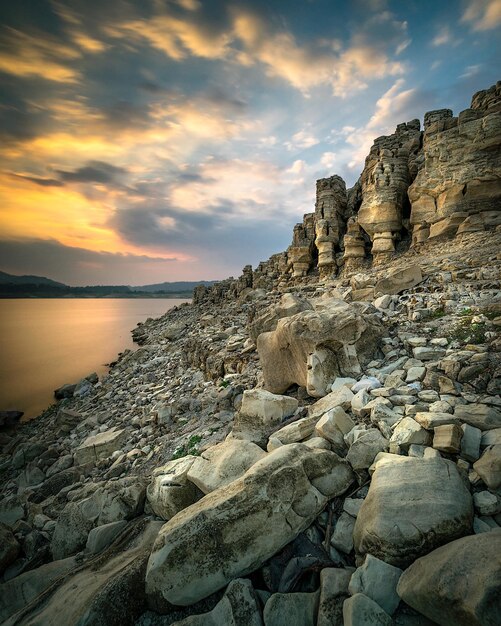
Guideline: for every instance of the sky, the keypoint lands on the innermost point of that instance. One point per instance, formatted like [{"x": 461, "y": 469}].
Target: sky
[{"x": 144, "y": 141}]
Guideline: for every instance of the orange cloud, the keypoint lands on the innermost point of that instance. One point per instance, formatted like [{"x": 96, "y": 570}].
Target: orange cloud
[{"x": 26, "y": 55}]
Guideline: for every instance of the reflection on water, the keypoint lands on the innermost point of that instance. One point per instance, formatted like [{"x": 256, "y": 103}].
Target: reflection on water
[{"x": 45, "y": 343}]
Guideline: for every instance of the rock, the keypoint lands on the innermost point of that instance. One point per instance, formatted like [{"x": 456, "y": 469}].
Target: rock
[
  {"x": 100, "y": 537},
  {"x": 235, "y": 529},
  {"x": 267, "y": 407},
  {"x": 333, "y": 592},
  {"x": 266, "y": 321},
  {"x": 312, "y": 348},
  {"x": 63, "y": 463},
  {"x": 457, "y": 584},
  {"x": 377, "y": 580},
  {"x": 352, "y": 506},
  {"x": 428, "y": 353},
  {"x": 52, "y": 485},
  {"x": 430, "y": 420},
  {"x": 470, "y": 442},
  {"x": 479, "y": 415},
  {"x": 219, "y": 465},
  {"x": 66, "y": 391},
  {"x": 67, "y": 419},
  {"x": 296, "y": 431},
  {"x": 413, "y": 506},
  {"x": 487, "y": 503},
  {"x": 112, "y": 502},
  {"x": 359, "y": 401},
  {"x": 491, "y": 437},
  {"x": 17, "y": 592},
  {"x": 284, "y": 609},
  {"x": 83, "y": 388},
  {"x": 343, "y": 381},
  {"x": 362, "y": 453},
  {"x": 11, "y": 510},
  {"x": 9, "y": 547},
  {"x": 111, "y": 593},
  {"x": 446, "y": 191},
  {"x": 407, "y": 432},
  {"x": 333, "y": 425},
  {"x": 342, "y": 397},
  {"x": 100, "y": 446},
  {"x": 10, "y": 418},
  {"x": 170, "y": 491},
  {"x": 239, "y": 606},
  {"x": 415, "y": 374},
  {"x": 360, "y": 610},
  {"x": 488, "y": 467},
  {"x": 447, "y": 438},
  {"x": 400, "y": 280},
  {"x": 342, "y": 537}
]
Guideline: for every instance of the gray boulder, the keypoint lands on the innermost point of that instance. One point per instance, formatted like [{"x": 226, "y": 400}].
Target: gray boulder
[
  {"x": 457, "y": 584},
  {"x": 413, "y": 506},
  {"x": 235, "y": 529},
  {"x": 239, "y": 607}
]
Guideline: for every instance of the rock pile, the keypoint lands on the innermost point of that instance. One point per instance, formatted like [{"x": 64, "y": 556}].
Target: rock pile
[{"x": 284, "y": 450}]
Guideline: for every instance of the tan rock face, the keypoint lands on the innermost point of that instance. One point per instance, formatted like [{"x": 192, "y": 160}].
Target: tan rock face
[
  {"x": 312, "y": 348},
  {"x": 330, "y": 218},
  {"x": 388, "y": 172},
  {"x": 234, "y": 530},
  {"x": 461, "y": 172}
]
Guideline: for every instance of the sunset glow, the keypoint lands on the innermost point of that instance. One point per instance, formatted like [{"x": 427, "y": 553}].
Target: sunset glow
[{"x": 174, "y": 140}]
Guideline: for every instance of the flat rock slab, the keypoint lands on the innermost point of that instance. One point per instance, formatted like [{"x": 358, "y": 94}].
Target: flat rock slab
[
  {"x": 479, "y": 415},
  {"x": 100, "y": 446},
  {"x": 458, "y": 584},
  {"x": 413, "y": 506},
  {"x": 235, "y": 529}
]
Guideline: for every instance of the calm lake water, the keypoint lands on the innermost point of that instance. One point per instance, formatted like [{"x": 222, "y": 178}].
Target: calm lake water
[{"x": 45, "y": 343}]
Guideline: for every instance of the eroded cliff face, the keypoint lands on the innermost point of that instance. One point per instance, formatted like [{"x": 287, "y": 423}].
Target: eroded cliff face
[{"x": 416, "y": 185}]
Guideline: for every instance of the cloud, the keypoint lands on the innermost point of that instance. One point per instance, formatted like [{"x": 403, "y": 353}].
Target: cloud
[
  {"x": 38, "y": 55},
  {"x": 482, "y": 14},
  {"x": 444, "y": 37},
  {"x": 247, "y": 38},
  {"x": 176, "y": 37},
  {"x": 79, "y": 266},
  {"x": 302, "y": 140},
  {"x": 39, "y": 180},
  {"x": 93, "y": 172},
  {"x": 471, "y": 70}
]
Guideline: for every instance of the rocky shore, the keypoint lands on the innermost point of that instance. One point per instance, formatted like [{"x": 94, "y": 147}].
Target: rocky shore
[{"x": 315, "y": 442}]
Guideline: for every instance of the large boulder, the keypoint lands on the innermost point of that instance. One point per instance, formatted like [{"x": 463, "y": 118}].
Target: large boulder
[
  {"x": 170, "y": 491},
  {"x": 312, "y": 348},
  {"x": 108, "y": 589},
  {"x": 413, "y": 506},
  {"x": 457, "y": 584},
  {"x": 223, "y": 463},
  {"x": 267, "y": 320},
  {"x": 235, "y": 529}
]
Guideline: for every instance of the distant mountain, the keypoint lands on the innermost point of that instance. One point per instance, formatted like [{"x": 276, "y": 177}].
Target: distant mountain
[
  {"x": 11, "y": 279},
  {"x": 176, "y": 287},
  {"x": 12, "y": 286}
]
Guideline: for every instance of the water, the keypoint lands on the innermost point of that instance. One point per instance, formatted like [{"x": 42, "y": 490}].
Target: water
[{"x": 45, "y": 343}]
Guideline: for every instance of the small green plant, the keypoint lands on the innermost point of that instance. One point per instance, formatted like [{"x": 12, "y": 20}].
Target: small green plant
[
  {"x": 437, "y": 314},
  {"x": 224, "y": 383},
  {"x": 191, "y": 447},
  {"x": 466, "y": 332}
]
